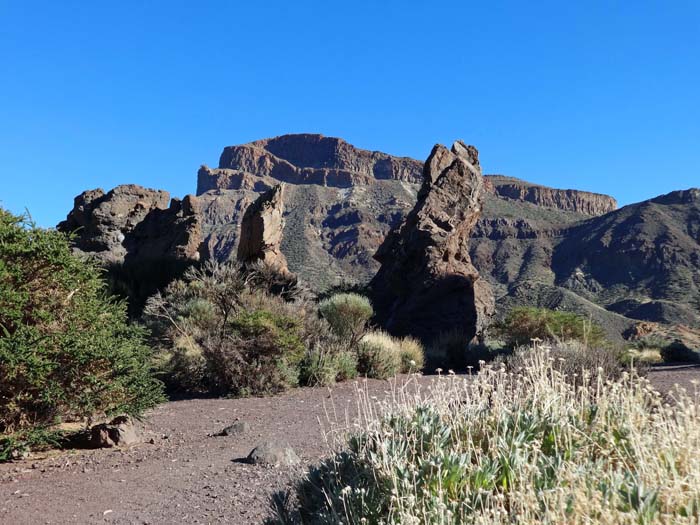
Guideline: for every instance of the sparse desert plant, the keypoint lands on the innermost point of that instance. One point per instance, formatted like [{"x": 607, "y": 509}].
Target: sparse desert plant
[
  {"x": 502, "y": 447},
  {"x": 378, "y": 355},
  {"x": 573, "y": 358},
  {"x": 411, "y": 354},
  {"x": 66, "y": 348},
  {"x": 523, "y": 324},
  {"x": 348, "y": 315}
]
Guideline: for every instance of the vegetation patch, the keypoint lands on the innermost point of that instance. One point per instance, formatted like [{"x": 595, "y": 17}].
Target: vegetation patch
[{"x": 505, "y": 447}]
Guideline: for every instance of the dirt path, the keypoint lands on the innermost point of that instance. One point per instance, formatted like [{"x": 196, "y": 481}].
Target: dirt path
[{"x": 185, "y": 475}]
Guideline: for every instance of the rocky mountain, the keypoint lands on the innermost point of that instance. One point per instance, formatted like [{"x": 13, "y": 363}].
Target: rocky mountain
[{"x": 533, "y": 245}]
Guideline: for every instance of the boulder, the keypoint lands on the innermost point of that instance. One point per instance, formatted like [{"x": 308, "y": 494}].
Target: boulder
[
  {"x": 427, "y": 284},
  {"x": 273, "y": 455},
  {"x": 120, "y": 432}
]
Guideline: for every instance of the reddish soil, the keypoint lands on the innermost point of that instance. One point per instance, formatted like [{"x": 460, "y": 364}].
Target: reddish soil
[{"x": 188, "y": 476}]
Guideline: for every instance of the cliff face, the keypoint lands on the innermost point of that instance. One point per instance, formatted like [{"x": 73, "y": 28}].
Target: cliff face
[
  {"x": 576, "y": 201},
  {"x": 304, "y": 159}
]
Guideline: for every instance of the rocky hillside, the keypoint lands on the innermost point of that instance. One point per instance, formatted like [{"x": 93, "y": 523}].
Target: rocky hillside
[{"x": 533, "y": 244}]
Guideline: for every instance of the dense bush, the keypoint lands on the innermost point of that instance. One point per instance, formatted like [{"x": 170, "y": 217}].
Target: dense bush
[
  {"x": 66, "y": 350},
  {"x": 523, "y": 324},
  {"x": 348, "y": 315},
  {"x": 220, "y": 333},
  {"x": 378, "y": 355},
  {"x": 502, "y": 448},
  {"x": 381, "y": 356},
  {"x": 222, "y": 330}
]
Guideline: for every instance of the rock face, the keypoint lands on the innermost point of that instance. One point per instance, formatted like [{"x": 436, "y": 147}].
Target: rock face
[
  {"x": 261, "y": 232},
  {"x": 576, "y": 201},
  {"x": 427, "y": 284}
]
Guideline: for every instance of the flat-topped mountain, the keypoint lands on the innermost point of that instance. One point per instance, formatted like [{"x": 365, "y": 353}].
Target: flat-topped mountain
[{"x": 534, "y": 245}]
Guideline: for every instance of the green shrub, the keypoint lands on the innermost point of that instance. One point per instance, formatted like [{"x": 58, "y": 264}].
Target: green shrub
[
  {"x": 325, "y": 365},
  {"x": 378, "y": 355},
  {"x": 523, "y": 324},
  {"x": 347, "y": 314},
  {"x": 411, "y": 354},
  {"x": 218, "y": 333},
  {"x": 66, "y": 349}
]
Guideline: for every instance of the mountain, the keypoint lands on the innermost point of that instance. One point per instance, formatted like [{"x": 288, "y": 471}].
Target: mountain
[{"x": 558, "y": 248}]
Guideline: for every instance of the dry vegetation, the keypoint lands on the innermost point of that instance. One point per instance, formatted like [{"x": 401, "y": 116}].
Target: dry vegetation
[{"x": 530, "y": 446}]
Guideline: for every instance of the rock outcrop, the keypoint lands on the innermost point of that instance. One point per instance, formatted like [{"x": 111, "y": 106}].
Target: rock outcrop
[
  {"x": 427, "y": 284},
  {"x": 261, "y": 232},
  {"x": 132, "y": 222}
]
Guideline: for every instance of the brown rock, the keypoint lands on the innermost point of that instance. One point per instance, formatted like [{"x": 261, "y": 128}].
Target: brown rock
[
  {"x": 427, "y": 284},
  {"x": 120, "y": 432},
  {"x": 261, "y": 232}
]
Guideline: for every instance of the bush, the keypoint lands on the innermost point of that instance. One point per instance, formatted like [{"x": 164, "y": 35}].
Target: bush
[
  {"x": 454, "y": 350},
  {"x": 575, "y": 361},
  {"x": 66, "y": 349},
  {"x": 503, "y": 448},
  {"x": 677, "y": 352},
  {"x": 378, "y": 355},
  {"x": 411, "y": 354},
  {"x": 347, "y": 314},
  {"x": 524, "y": 324},
  {"x": 323, "y": 365},
  {"x": 221, "y": 332}
]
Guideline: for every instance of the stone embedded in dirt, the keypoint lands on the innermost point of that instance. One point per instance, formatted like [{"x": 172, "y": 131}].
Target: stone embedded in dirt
[
  {"x": 273, "y": 455},
  {"x": 120, "y": 432},
  {"x": 427, "y": 284},
  {"x": 239, "y": 427}
]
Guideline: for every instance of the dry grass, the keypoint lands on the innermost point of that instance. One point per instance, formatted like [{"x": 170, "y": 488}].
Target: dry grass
[{"x": 502, "y": 447}]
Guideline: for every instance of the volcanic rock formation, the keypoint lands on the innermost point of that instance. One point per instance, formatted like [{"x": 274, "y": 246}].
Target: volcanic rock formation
[
  {"x": 562, "y": 249},
  {"x": 427, "y": 284},
  {"x": 261, "y": 232}
]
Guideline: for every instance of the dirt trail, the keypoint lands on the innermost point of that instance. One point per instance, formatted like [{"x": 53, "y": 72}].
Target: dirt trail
[{"x": 186, "y": 475}]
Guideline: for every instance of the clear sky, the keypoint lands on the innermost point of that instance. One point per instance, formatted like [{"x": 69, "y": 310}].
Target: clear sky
[{"x": 601, "y": 96}]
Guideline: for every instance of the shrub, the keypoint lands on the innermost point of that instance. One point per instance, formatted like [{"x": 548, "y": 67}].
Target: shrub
[
  {"x": 573, "y": 359},
  {"x": 503, "y": 448},
  {"x": 66, "y": 349},
  {"x": 523, "y": 324},
  {"x": 411, "y": 354},
  {"x": 454, "y": 350},
  {"x": 347, "y": 314},
  {"x": 325, "y": 364},
  {"x": 676, "y": 352},
  {"x": 220, "y": 333},
  {"x": 378, "y": 355}
]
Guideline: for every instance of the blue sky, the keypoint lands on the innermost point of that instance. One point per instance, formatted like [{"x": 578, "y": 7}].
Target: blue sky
[{"x": 601, "y": 96}]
